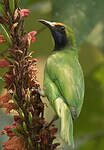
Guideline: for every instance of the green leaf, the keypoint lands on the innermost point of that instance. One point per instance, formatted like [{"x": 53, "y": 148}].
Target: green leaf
[
  {"x": 19, "y": 127},
  {"x": 5, "y": 33},
  {"x": 38, "y": 145},
  {"x": 15, "y": 102},
  {"x": 21, "y": 113},
  {"x": 16, "y": 132},
  {"x": 28, "y": 96},
  {"x": 12, "y": 5},
  {"x": 30, "y": 118},
  {"x": 24, "y": 126},
  {"x": 30, "y": 142},
  {"x": 24, "y": 105},
  {"x": 27, "y": 100}
]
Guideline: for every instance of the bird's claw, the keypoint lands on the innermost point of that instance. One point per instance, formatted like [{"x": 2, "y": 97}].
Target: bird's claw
[
  {"x": 51, "y": 122},
  {"x": 45, "y": 127}
]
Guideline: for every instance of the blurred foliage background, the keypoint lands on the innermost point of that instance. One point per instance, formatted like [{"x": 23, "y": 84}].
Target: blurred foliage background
[{"x": 87, "y": 20}]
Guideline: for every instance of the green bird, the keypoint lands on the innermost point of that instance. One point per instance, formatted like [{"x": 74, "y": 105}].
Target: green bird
[{"x": 63, "y": 79}]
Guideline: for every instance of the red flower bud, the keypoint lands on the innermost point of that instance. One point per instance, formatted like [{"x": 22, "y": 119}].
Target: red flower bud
[
  {"x": 15, "y": 143},
  {"x": 4, "y": 63},
  {"x": 30, "y": 37},
  {"x": 17, "y": 118},
  {"x": 34, "y": 60},
  {"x": 9, "y": 106},
  {"x": 8, "y": 78},
  {"x": 24, "y": 12},
  {"x": 7, "y": 130},
  {"x": 21, "y": 12},
  {"x": 5, "y": 98}
]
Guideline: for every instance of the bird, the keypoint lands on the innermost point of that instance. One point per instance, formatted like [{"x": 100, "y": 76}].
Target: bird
[{"x": 63, "y": 82}]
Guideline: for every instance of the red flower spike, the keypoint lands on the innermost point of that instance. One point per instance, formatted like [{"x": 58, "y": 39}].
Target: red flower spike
[
  {"x": 30, "y": 37},
  {"x": 32, "y": 71},
  {"x": 15, "y": 143},
  {"x": 17, "y": 119},
  {"x": 34, "y": 60},
  {"x": 2, "y": 132},
  {"x": 8, "y": 78},
  {"x": 9, "y": 106},
  {"x": 44, "y": 137},
  {"x": 4, "y": 63},
  {"x": 22, "y": 13},
  {"x": 14, "y": 123},
  {"x": 5, "y": 98},
  {"x": 16, "y": 14},
  {"x": 7, "y": 130}
]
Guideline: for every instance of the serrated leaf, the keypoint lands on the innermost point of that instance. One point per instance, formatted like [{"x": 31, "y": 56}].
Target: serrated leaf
[
  {"x": 12, "y": 5},
  {"x": 16, "y": 132},
  {"x": 5, "y": 33}
]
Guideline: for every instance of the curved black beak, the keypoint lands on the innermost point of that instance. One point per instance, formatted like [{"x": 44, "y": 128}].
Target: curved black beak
[{"x": 47, "y": 23}]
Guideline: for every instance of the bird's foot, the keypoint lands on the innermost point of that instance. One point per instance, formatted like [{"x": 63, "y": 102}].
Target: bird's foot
[
  {"x": 46, "y": 126},
  {"x": 73, "y": 112}
]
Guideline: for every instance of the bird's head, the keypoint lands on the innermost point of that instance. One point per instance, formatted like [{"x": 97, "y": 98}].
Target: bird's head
[{"x": 62, "y": 34}]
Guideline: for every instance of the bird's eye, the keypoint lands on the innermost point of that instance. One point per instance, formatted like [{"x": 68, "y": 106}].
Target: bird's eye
[{"x": 62, "y": 28}]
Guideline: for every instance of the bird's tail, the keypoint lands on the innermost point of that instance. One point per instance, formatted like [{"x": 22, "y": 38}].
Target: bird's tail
[{"x": 64, "y": 113}]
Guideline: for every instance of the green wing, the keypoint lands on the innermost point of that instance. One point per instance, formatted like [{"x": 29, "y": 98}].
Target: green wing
[
  {"x": 54, "y": 96},
  {"x": 67, "y": 76}
]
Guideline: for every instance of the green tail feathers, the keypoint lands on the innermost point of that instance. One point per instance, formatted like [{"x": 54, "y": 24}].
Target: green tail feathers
[
  {"x": 64, "y": 113},
  {"x": 67, "y": 126}
]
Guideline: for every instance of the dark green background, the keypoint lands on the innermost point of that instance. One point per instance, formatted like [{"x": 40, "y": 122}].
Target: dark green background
[{"x": 86, "y": 17}]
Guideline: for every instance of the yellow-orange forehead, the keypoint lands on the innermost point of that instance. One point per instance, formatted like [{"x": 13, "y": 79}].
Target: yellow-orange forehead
[{"x": 59, "y": 24}]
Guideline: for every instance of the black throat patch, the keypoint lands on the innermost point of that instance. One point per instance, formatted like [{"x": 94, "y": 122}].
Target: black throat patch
[{"x": 60, "y": 39}]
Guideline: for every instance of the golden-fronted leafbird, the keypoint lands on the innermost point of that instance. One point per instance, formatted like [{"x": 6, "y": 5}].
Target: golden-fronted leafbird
[{"x": 63, "y": 78}]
